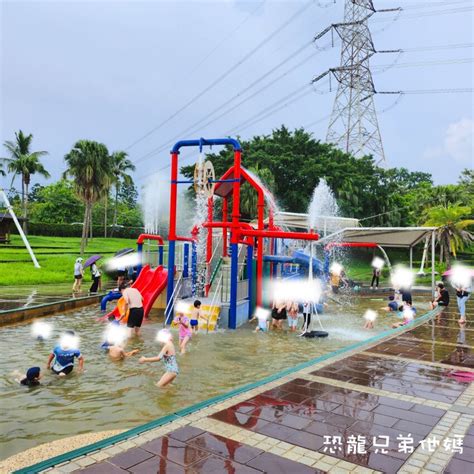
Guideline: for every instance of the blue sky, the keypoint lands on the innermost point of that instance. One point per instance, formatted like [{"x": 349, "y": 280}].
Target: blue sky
[{"x": 113, "y": 70}]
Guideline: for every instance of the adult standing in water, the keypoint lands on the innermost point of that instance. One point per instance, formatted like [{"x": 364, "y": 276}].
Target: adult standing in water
[
  {"x": 462, "y": 295},
  {"x": 375, "y": 278},
  {"x": 133, "y": 302},
  {"x": 78, "y": 274},
  {"x": 95, "y": 273}
]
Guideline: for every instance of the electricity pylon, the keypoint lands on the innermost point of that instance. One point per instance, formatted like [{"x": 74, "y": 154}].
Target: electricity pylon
[{"x": 353, "y": 126}]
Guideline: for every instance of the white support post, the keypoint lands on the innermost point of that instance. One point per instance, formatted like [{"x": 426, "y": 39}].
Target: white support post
[
  {"x": 18, "y": 226},
  {"x": 411, "y": 258},
  {"x": 424, "y": 256},
  {"x": 433, "y": 243}
]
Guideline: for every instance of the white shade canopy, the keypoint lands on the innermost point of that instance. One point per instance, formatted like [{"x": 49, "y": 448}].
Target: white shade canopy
[{"x": 402, "y": 237}]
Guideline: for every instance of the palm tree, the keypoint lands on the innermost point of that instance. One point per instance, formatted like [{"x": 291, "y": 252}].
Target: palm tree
[
  {"x": 451, "y": 233},
  {"x": 119, "y": 167},
  {"x": 88, "y": 163},
  {"x": 24, "y": 162}
]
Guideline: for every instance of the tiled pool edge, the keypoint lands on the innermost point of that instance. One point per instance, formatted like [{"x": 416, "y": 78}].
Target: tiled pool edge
[{"x": 159, "y": 422}]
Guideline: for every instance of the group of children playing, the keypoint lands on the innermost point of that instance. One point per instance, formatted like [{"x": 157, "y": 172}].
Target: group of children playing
[
  {"x": 286, "y": 310},
  {"x": 61, "y": 359},
  {"x": 186, "y": 328}
]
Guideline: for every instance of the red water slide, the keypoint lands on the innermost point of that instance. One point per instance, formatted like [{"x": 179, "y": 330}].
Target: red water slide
[{"x": 150, "y": 283}]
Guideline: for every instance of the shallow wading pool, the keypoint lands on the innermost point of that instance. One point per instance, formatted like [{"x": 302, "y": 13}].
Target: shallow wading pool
[{"x": 119, "y": 395}]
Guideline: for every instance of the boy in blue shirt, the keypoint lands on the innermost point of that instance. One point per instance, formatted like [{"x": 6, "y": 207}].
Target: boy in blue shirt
[
  {"x": 392, "y": 304},
  {"x": 64, "y": 356}
]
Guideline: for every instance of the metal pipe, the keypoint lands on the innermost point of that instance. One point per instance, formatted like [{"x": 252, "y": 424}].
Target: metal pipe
[
  {"x": 210, "y": 209},
  {"x": 234, "y": 238},
  {"x": 206, "y": 142},
  {"x": 259, "y": 272},
  {"x": 160, "y": 255},
  {"x": 186, "y": 260},
  {"x": 250, "y": 277},
  {"x": 279, "y": 234},
  {"x": 433, "y": 251},
  {"x": 224, "y": 229},
  {"x": 143, "y": 237},
  {"x": 172, "y": 227},
  {"x": 20, "y": 230}
]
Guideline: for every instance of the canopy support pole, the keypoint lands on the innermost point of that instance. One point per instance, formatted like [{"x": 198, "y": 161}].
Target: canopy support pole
[
  {"x": 433, "y": 242},
  {"x": 411, "y": 258}
]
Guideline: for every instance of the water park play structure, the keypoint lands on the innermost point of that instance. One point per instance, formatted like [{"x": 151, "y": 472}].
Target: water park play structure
[
  {"x": 210, "y": 263},
  {"x": 233, "y": 279}
]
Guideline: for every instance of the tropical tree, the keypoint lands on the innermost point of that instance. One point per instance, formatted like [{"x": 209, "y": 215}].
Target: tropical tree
[
  {"x": 24, "y": 162},
  {"x": 248, "y": 195},
  {"x": 88, "y": 163},
  {"x": 120, "y": 165},
  {"x": 297, "y": 162},
  {"x": 451, "y": 234},
  {"x": 56, "y": 203}
]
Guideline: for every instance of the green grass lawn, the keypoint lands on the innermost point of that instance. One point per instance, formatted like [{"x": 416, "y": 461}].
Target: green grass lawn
[{"x": 56, "y": 255}]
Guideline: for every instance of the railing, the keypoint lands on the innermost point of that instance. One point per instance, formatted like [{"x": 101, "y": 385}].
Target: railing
[
  {"x": 242, "y": 257},
  {"x": 151, "y": 254},
  {"x": 242, "y": 285},
  {"x": 215, "y": 272},
  {"x": 171, "y": 302},
  {"x": 213, "y": 301},
  {"x": 242, "y": 290}
]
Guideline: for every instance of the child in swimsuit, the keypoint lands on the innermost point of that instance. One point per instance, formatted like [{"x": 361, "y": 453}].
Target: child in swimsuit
[
  {"x": 168, "y": 356},
  {"x": 292, "y": 316},
  {"x": 195, "y": 315},
  {"x": 261, "y": 316},
  {"x": 185, "y": 332}
]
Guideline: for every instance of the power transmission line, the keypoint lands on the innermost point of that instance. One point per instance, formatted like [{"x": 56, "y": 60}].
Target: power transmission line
[
  {"x": 460, "y": 90},
  {"x": 286, "y": 102},
  {"x": 225, "y": 74},
  {"x": 438, "y": 47},
  {"x": 425, "y": 14},
  {"x": 426, "y": 63},
  {"x": 199, "y": 124}
]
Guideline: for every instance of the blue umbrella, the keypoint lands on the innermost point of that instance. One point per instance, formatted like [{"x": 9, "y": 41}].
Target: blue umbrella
[{"x": 92, "y": 260}]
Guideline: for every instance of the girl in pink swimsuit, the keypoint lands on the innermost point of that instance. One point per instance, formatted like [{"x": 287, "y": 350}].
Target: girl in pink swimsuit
[{"x": 185, "y": 332}]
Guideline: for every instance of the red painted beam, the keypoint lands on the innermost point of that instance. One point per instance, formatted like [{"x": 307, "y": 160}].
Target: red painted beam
[
  {"x": 173, "y": 196},
  {"x": 275, "y": 234}
]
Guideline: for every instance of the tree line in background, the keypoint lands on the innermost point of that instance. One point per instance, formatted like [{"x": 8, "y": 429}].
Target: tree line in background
[
  {"x": 289, "y": 163},
  {"x": 94, "y": 173},
  {"x": 292, "y": 163}
]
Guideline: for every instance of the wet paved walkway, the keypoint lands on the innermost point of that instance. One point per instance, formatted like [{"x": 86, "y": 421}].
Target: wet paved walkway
[{"x": 404, "y": 391}]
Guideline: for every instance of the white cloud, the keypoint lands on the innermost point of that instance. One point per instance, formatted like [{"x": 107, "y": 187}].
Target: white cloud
[
  {"x": 457, "y": 143},
  {"x": 458, "y": 140}
]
